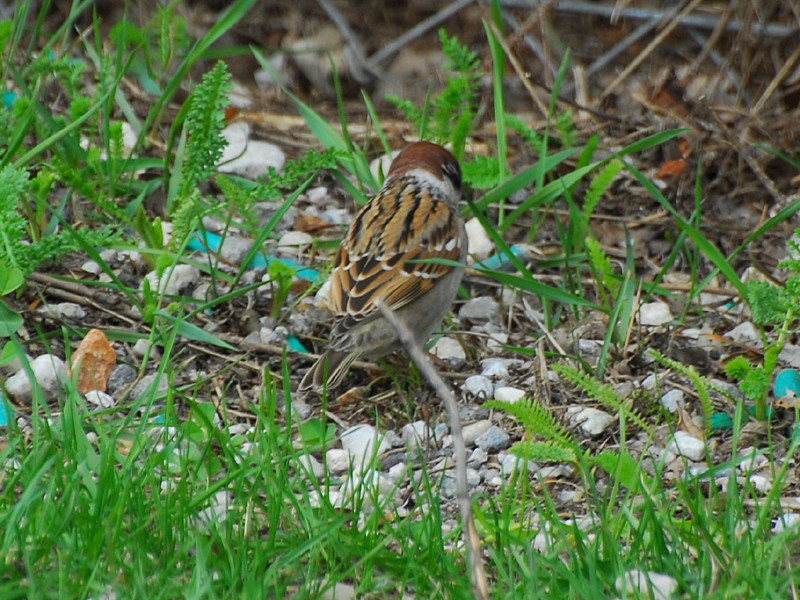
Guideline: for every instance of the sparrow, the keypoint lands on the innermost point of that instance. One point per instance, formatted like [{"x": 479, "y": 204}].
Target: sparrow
[{"x": 414, "y": 217}]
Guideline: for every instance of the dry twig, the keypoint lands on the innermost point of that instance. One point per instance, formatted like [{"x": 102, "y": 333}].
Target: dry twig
[{"x": 480, "y": 587}]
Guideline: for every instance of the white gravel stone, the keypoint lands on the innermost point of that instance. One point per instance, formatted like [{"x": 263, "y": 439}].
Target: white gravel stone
[
  {"x": 480, "y": 246},
  {"x": 655, "y": 314},
  {"x": 62, "y": 310},
  {"x": 145, "y": 383},
  {"x": 647, "y": 584},
  {"x": 312, "y": 466},
  {"x": 786, "y": 521},
  {"x": 397, "y": 472},
  {"x": 364, "y": 441},
  {"x": 473, "y": 477},
  {"x": 761, "y": 483},
  {"x": 448, "y": 349},
  {"x": 555, "y": 471},
  {"x": 790, "y": 356},
  {"x": 174, "y": 280},
  {"x": 91, "y": 267},
  {"x": 479, "y": 310},
  {"x": 512, "y": 462},
  {"x": 133, "y": 256},
  {"x": 417, "y": 433},
  {"x": 649, "y": 382},
  {"x": 508, "y": 394},
  {"x": 496, "y": 341},
  {"x": 593, "y": 421},
  {"x": 100, "y": 399},
  {"x": 493, "y": 439},
  {"x": 318, "y": 195},
  {"x": 686, "y": 445},
  {"x": 478, "y": 386},
  {"x": 292, "y": 241},
  {"x": 254, "y": 160},
  {"x": 338, "y": 460},
  {"x": 139, "y": 349},
  {"x": 478, "y": 457},
  {"x": 745, "y": 332},
  {"x": 498, "y": 368},
  {"x": 49, "y": 371},
  {"x": 234, "y": 249},
  {"x": 471, "y": 432},
  {"x": 380, "y": 166},
  {"x": 673, "y": 400}
]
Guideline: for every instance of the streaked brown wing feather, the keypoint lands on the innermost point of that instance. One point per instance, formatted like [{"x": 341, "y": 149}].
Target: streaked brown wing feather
[{"x": 368, "y": 267}]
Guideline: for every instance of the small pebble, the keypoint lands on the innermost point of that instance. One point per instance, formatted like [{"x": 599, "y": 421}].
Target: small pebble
[
  {"x": 174, "y": 280},
  {"x": 49, "y": 371},
  {"x": 479, "y": 310},
  {"x": 91, "y": 267},
  {"x": 497, "y": 368},
  {"x": 786, "y": 521},
  {"x": 121, "y": 377},
  {"x": 493, "y": 439},
  {"x": 478, "y": 457},
  {"x": 593, "y": 421},
  {"x": 234, "y": 249},
  {"x": 62, "y": 310},
  {"x": 479, "y": 387},
  {"x": 416, "y": 433},
  {"x": 480, "y": 246},
  {"x": 145, "y": 384},
  {"x": 448, "y": 349},
  {"x": 380, "y": 166},
  {"x": 100, "y": 399},
  {"x": 312, "y": 465},
  {"x": 650, "y": 382},
  {"x": 673, "y": 400},
  {"x": 646, "y": 584},
  {"x": 338, "y": 460},
  {"x": 292, "y": 241},
  {"x": 655, "y": 314},
  {"x": 140, "y": 348},
  {"x": 471, "y": 432},
  {"x": 473, "y": 477},
  {"x": 686, "y": 445},
  {"x": 512, "y": 463},
  {"x": 745, "y": 332},
  {"x": 361, "y": 442},
  {"x": 508, "y": 394}
]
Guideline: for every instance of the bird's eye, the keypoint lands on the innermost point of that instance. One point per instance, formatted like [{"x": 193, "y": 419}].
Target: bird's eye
[{"x": 453, "y": 172}]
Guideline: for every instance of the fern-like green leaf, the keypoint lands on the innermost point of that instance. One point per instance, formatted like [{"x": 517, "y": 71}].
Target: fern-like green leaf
[
  {"x": 598, "y": 187},
  {"x": 482, "y": 173},
  {"x": 543, "y": 451},
  {"x": 535, "y": 418},
  {"x": 601, "y": 392},
  {"x": 700, "y": 383},
  {"x": 601, "y": 265},
  {"x": 204, "y": 123},
  {"x": 620, "y": 464}
]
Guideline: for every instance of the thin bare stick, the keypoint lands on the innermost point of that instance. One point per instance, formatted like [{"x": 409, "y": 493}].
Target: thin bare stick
[
  {"x": 657, "y": 41},
  {"x": 419, "y": 29},
  {"x": 702, "y": 21},
  {"x": 360, "y": 68},
  {"x": 480, "y": 587}
]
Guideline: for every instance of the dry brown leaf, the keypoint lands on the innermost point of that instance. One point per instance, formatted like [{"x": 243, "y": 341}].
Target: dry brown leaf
[
  {"x": 671, "y": 168},
  {"x": 686, "y": 424}
]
